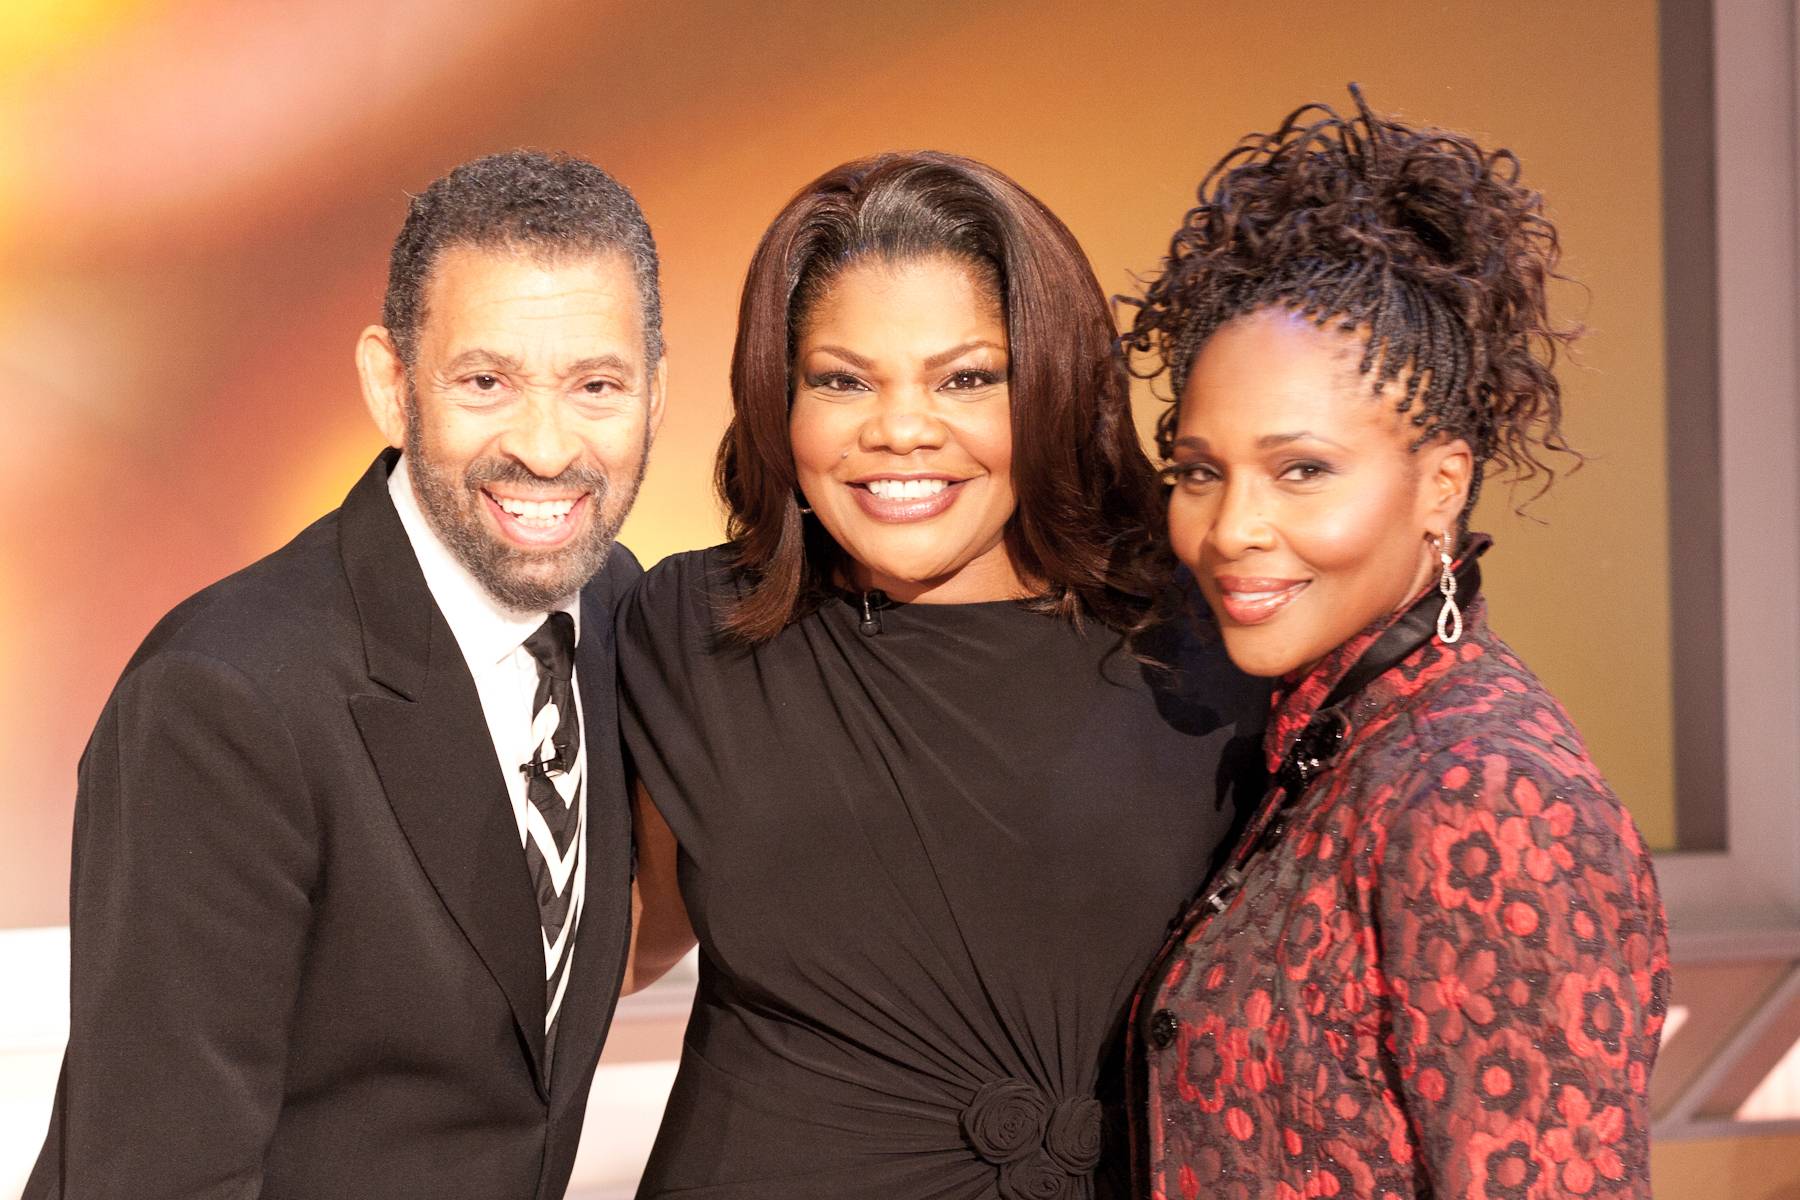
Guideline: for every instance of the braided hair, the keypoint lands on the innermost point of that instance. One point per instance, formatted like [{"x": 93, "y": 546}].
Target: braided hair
[{"x": 1416, "y": 237}]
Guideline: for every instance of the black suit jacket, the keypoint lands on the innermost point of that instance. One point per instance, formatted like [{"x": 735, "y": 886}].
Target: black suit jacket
[{"x": 306, "y": 960}]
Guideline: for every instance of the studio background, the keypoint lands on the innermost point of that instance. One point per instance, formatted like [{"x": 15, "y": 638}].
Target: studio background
[{"x": 197, "y": 199}]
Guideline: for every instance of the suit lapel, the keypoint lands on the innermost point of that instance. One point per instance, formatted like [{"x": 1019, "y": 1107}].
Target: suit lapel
[
  {"x": 602, "y": 937},
  {"x": 430, "y": 744}
]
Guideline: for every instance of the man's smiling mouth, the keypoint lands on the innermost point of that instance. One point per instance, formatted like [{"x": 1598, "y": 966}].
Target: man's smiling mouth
[
  {"x": 537, "y": 512},
  {"x": 542, "y": 523}
]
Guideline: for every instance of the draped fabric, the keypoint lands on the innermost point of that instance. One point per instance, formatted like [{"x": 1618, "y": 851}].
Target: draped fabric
[{"x": 926, "y": 865}]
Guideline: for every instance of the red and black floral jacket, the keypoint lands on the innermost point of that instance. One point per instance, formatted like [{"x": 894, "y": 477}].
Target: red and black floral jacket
[{"x": 1438, "y": 967}]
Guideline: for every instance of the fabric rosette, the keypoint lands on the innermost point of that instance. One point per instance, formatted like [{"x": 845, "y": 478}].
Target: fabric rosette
[
  {"x": 1041, "y": 1151},
  {"x": 1005, "y": 1120},
  {"x": 1036, "y": 1177},
  {"x": 1072, "y": 1137}
]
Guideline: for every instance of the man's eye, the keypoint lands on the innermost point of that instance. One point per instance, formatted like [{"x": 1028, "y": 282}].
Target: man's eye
[
  {"x": 484, "y": 383},
  {"x": 598, "y": 387}
]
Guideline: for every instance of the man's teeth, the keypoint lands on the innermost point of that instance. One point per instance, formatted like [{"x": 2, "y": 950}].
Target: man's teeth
[
  {"x": 535, "y": 512},
  {"x": 906, "y": 489}
]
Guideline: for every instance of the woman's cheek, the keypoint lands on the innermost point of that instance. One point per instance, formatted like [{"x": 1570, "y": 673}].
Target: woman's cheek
[
  {"x": 1189, "y": 523},
  {"x": 814, "y": 437},
  {"x": 1331, "y": 532}
]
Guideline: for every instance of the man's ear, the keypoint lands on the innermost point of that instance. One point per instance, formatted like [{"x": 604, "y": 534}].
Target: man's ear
[
  {"x": 1448, "y": 470},
  {"x": 383, "y": 378},
  {"x": 659, "y": 394}
]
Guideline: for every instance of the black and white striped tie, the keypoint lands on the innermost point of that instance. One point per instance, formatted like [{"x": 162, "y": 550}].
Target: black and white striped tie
[{"x": 553, "y": 818}]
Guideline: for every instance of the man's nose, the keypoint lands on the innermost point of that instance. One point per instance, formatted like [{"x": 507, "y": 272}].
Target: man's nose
[{"x": 541, "y": 438}]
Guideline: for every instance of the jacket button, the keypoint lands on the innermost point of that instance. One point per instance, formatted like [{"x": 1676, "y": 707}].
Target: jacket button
[{"x": 1163, "y": 1028}]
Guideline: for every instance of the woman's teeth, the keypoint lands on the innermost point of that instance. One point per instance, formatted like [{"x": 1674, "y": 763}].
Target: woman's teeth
[
  {"x": 544, "y": 513},
  {"x": 906, "y": 489}
]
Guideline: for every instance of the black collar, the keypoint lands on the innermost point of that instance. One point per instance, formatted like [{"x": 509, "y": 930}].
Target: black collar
[{"x": 1328, "y": 731}]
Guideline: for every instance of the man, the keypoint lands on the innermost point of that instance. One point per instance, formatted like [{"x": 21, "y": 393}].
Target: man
[{"x": 352, "y": 862}]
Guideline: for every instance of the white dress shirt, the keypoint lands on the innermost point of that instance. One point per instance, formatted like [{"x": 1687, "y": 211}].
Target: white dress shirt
[{"x": 492, "y": 639}]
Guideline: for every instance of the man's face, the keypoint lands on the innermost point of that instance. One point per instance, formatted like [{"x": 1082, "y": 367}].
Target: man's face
[{"x": 528, "y": 413}]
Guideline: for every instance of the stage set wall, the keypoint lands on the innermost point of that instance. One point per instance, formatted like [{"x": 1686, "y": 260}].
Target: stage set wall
[{"x": 197, "y": 199}]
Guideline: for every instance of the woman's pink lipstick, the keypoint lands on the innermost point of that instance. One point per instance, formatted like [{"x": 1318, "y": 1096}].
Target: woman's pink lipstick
[
  {"x": 1249, "y": 600},
  {"x": 900, "y": 509}
]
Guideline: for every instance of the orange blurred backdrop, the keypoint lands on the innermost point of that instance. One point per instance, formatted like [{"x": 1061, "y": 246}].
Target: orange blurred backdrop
[{"x": 197, "y": 198}]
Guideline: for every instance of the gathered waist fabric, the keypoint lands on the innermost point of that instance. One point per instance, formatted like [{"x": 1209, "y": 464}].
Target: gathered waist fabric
[{"x": 801, "y": 1118}]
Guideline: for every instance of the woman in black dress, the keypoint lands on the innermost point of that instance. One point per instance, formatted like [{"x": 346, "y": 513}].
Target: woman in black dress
[{"x": 932, "y": 811}]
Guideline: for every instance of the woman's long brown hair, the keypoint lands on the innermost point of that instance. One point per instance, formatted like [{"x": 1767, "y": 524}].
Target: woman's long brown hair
[{"x": 1089, "y": 506}]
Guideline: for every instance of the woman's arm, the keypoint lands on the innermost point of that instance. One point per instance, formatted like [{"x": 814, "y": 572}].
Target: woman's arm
[
  {"x": 660, "y": 933},
  {"x": 1526, "y": 959}
]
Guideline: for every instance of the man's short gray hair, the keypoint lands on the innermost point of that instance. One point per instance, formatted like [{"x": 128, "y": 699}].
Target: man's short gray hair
[{"x": 552, "y": 205}]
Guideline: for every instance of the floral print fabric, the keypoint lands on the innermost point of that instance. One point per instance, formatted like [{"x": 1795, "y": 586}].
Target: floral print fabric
[{"x": 1443, "y": 974}]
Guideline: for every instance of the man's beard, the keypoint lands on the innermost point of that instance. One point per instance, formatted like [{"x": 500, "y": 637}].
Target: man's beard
[{"x": 522, "y": 580}]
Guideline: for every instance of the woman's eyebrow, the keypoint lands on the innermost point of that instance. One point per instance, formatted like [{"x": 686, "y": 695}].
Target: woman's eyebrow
[
  {"x": 850, "y": 356},
  {"x": 955, "y": 352},
  {"x": 1270, "y": 441}
]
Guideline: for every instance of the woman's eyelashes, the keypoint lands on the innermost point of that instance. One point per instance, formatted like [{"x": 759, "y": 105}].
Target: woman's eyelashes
[
  {"x": 1197, "y": 476},
  {"x": 965, "y": 379},
  {"x": 1192, "y": 476},
  {"x": 1306, "y": 470},
  {"x": 834, "y": 381},
  {"x": 968, "y": 379}
]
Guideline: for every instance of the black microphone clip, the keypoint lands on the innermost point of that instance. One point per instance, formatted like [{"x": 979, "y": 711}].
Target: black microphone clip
[
  {"x": 549, "y": 768},
  {"x": 872, "y": 604}
]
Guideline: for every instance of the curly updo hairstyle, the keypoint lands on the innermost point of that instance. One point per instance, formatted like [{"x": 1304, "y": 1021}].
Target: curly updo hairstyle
[{"x": 1417, "y": 237}]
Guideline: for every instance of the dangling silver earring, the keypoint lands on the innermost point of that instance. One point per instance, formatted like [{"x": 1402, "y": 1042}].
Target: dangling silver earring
[{"x": 1449, "y": 622}]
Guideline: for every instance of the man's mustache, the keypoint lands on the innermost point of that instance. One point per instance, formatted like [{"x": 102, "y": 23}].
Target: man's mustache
[{"x": 484, "y": 471}]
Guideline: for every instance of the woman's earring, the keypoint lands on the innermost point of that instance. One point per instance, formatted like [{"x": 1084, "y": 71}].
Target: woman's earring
[
  {"x": 1449, "y": 622},
  {"x": 800, "y": 499}
]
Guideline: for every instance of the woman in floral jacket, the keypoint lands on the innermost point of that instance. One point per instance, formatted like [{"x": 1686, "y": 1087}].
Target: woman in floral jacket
[{"x": 1436, "y": 964}]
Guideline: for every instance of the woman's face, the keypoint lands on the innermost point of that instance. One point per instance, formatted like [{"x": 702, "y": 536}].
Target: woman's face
[
  {"x": 902, "y": 429},
  {"x": 1299, "y": 503}
]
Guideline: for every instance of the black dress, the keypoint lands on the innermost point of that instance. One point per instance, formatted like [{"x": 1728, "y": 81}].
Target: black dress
[{"x": 926, "y": 864}]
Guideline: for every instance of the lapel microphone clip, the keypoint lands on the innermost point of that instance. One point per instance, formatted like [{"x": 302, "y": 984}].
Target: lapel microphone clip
[{"x": 872, "y": 604}]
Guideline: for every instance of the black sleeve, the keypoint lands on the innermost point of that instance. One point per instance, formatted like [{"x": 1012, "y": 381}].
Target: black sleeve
[
  {"x": 1199, "y": 688},
  {"x": 195, "y": 854},
  {"x": 666, "y": 635}
]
